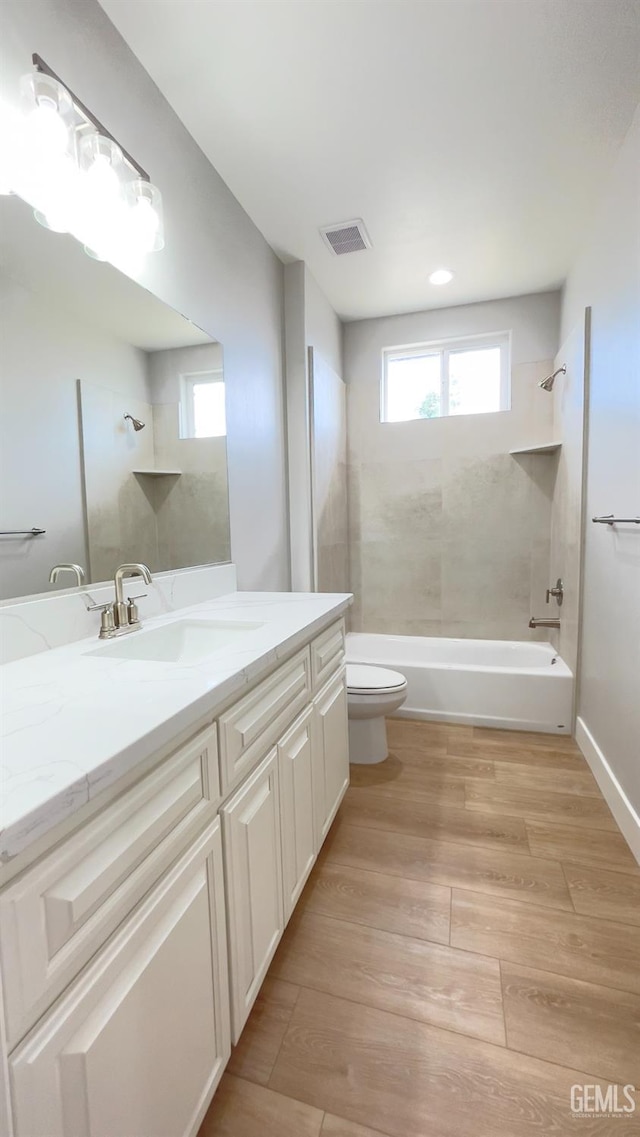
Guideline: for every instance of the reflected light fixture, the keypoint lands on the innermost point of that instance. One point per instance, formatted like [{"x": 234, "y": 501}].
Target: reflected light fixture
[
  {"x": 60, "y": 159},
  {"x": 440, "y": 276}
]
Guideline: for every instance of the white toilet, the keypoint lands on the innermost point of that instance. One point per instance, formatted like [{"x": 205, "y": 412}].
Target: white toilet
[{"x": 373, "y": 692}]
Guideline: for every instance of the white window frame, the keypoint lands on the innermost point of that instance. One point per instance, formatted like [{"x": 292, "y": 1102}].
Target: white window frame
[
  {"x": 444, "y": 348},
  {"x": 189, "y": 380}
]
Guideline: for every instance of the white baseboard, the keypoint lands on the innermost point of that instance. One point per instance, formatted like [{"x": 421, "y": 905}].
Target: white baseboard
[{"x": 616, "y": 798}]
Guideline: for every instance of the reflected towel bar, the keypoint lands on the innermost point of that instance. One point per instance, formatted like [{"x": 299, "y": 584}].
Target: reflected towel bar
[
  {"x": 22, "y": 532},
  {"x": 611, "y": 520}
]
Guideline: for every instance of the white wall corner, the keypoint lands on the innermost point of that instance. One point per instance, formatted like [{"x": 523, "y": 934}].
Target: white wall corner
[
  {"x": 617, "y": 800},
  {"x": 298, "y": 432}
]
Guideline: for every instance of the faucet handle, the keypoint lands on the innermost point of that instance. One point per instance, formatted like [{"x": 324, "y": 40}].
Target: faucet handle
[
  {"x": 107, "y": 622},
  {"x": 557, "y": 591},
  {"x": 133, "y": 615},
  {"x": 99, "y": 607}
]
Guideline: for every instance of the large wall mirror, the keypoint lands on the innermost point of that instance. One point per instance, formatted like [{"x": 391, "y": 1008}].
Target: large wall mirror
[{"x": 112, "y": 433}]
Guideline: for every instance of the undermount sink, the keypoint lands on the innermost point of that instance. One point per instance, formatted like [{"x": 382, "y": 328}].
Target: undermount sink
[{"x": 183, "y": 641}]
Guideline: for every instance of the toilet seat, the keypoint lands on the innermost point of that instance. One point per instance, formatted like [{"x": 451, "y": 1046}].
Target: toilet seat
[{"x": 365, "y": 679}]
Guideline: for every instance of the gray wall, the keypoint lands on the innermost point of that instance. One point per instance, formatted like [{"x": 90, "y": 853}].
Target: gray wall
[
  {"x": 216, "y": 267},
  {"x": 449, "y": 533},
  {"x": 607, "y": 277}
]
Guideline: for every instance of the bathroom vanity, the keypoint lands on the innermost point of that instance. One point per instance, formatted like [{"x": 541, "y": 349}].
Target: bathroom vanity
[{"x": 138, "y": 920}]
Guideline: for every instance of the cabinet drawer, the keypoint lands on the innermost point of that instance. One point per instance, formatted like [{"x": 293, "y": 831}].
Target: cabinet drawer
[
  {"x": 56, "y": 916},
  {"x": 257, "y": 720},
  {"x": 327, "y": 654}
]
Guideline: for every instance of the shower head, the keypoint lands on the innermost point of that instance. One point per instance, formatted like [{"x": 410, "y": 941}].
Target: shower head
[
  {"x": 136, "y": 423},
  {"x": 547, "y": 384}
]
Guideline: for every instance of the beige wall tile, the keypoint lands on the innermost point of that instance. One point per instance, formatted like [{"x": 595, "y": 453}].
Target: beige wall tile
[{"x": 466, "y": 525}]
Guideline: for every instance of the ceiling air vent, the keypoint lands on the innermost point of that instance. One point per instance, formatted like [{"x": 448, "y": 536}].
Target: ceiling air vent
[{"x": 348, "y": 237}]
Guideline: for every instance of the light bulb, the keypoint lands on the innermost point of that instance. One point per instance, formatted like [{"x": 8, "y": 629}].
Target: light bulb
[
  {"x": 49, "y": 112},
  {"x": 56, "y": 197},
  {"x": 103, "y": 178},
  {"x": 145, "y": 216},
  {"x": 145, "y": 224},
  {"x": 101, "y": 160},
  {"x": 47, "y": 129}
]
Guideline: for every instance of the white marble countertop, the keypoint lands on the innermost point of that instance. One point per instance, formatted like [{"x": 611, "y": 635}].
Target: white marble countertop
[{"x": 73, "y": 723}]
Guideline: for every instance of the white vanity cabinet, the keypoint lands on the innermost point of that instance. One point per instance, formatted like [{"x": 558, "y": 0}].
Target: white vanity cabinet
[
  {"x": 137, "y": 1044},
  {"x": 132, "y": 950}
]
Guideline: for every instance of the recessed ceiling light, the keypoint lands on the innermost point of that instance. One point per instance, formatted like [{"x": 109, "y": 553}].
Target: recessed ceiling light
[{"x": 441, "y": 276}]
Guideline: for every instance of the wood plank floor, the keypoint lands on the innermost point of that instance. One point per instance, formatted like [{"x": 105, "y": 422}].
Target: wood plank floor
[{"x": 466, "y": 950}]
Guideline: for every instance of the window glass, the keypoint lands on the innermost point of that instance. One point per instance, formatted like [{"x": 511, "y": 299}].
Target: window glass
[
  {"x": 413, "y": 387},
  {"x": 202, "y": 405},
  {"x": 208, "y": 410},
  {"x": 474, "y": 381},
  {"x": 459, "y": 377}
]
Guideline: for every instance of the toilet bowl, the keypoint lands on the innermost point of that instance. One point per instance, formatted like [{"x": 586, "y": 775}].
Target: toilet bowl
[{"x": 373, "y": 692}]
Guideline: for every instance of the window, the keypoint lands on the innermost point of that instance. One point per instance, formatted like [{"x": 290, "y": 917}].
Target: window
[
  {"x": 202, "y": 409},
  {"x": 459, "y": 377}
]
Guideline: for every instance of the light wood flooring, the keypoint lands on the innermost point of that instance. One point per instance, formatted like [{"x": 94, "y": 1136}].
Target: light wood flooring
[{"x": 467, "y": 948}]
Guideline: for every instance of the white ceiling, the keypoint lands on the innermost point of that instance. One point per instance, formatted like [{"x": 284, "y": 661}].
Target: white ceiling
[{"x": 470, "y": 134}]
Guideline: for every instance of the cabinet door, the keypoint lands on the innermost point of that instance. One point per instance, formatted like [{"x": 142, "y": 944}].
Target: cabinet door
[
  {"x": 295, "y": 756},
  {"x": 253, "y": 866},
  {"x": 137, "y": 1044},
  {"x": 331, "y": 753}
]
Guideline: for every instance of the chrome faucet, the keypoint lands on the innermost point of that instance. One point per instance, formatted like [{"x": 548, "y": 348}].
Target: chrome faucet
[
  {"x": 57, "y": 569},
  {"x": 121, "y": 616},
  {"x": 536, "y": 622},
  {"x": 125, "y": 613}
]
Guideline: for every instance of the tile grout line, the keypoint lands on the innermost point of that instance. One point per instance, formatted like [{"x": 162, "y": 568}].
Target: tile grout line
[
  {"x": 295, "y": 1003},
  {"x": 460, "y": 888},
  {"x": 529, "y": 1053},
  {"x": 397, "y": 935},
  {"x": 573, "y": 903},
  {"x": 447, "y": 1030},
  {"x": 398, "y": 1015},
  {"x": 503, "y": 1005},
  {"x": 559, "y": 974},
  {"x": 509, "y": 851}
]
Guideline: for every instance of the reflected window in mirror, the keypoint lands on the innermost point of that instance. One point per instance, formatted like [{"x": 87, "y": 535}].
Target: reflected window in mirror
[{"x": 202, "y": 405}]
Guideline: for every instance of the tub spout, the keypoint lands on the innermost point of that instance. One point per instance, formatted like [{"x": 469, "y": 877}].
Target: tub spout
[{"x": 543, "y": 622}]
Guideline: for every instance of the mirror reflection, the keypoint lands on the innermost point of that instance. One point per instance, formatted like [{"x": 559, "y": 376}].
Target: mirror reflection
[{"x": 113, "y": 431}]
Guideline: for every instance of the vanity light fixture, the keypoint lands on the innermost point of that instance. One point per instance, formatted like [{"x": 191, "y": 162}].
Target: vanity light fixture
[
  {"x": 440, "y": 276},
  {"x": 60, "y": 159}
]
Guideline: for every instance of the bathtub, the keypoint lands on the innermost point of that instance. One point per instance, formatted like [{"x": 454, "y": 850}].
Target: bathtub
[{"x": 497, "y": 683}]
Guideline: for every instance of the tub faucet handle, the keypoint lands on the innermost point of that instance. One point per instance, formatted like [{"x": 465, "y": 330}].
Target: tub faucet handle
[{"x": 557, "y": 591}]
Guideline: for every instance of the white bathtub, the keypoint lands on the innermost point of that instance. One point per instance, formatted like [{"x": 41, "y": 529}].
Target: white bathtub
[{"x": 498, "y": 683}]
